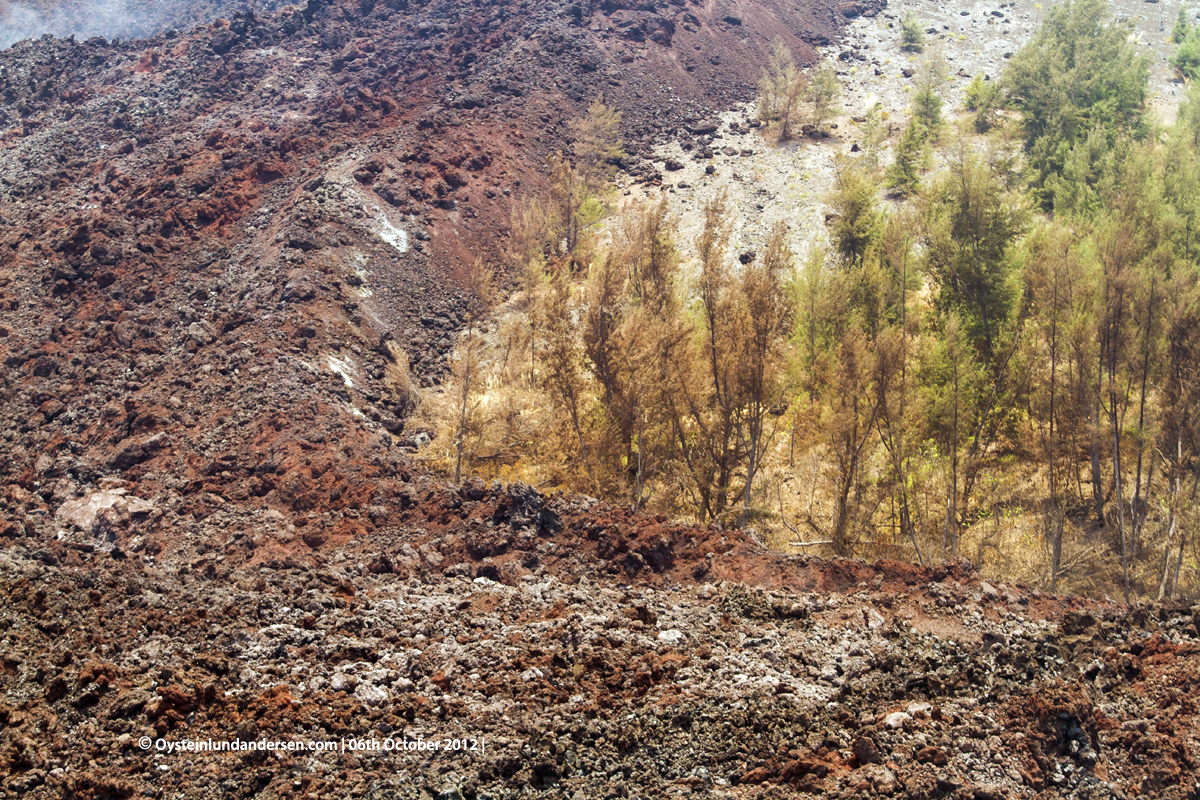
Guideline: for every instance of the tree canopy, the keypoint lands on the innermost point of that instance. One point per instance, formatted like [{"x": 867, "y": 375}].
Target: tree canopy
[{"x": 1078, "y": 74}]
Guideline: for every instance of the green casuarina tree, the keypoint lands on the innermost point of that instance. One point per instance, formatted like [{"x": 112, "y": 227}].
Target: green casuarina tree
[
  {"x": 1186, "y": 57},
  {"x": 1089, "y": 164},
  {"x": 927, "y": 101},
  {"x": 899, "y": 425},
  {"x": 1051, "y": 275},
  {"x": 874, "y": 134},
  {"x": 1116, "y": 259},
  {"x": 1181, "y": 176},
  {"x": 823, "y": 91},
  {"x": 982, "y": 97},
  {"x": 1182, "y": 27},
  {"x": 899, "y": 420},
  {"x": 953, "y": 385},
  {"x": 857, "y": 218},
  {"x": 912, "y": 37},
  {"x": 854, "y": 341},
  {"x": 1078, "y": 72},
  {"x": 903, "y": 175},
  {"x": 1179, "y": 440},
  {"x": 842, "y": 354},
  {"x": 812, "y": 333},
  {"x": 971, "y": 222},
  {"x": 781, "y": 90}
]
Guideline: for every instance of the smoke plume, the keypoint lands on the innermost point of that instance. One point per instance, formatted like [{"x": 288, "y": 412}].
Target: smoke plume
[{"x": 111, "y": 19}]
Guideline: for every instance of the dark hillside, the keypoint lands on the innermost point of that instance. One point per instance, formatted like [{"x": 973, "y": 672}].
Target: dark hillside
[{"x": 200, "y": 229}]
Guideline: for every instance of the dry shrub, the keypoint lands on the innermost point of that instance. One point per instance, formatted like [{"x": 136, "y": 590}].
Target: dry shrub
[{"x": 398, "y": 380}]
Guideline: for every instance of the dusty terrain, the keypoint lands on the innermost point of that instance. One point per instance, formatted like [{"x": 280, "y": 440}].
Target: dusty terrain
[
  {"x": 766, "y": 182},
  {"x": 220, "y": 251}
]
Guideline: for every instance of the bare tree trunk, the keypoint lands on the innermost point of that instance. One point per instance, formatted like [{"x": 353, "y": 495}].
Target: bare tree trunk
[
  {"x": 950, "y": 533},
  {"x": 587, "y": 462},
  {"x": 1175, "y": 573},
  {"x": 641, "y": 443},
  {"x": 1137, "y": 515},
  {"x": 906, "y": 525},
  {"x": 1179, "y": 557},
  {"x": 1116, "y": 443},
  {"x": 1144, "y": 502},
  {"x": 751, "y": 464},
  {"x": 1054, "y": 520},
  {"x": 462, "y": 416},
  {"x": 1171, "y": 522},
  {"x": 1097, "y": 480},
  {"x": 792, "y": 440},
  {"x": 842, "y": 517}
]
